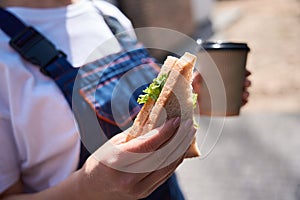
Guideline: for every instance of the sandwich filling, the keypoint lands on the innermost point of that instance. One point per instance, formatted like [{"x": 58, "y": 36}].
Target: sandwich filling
[{"x": 154, "y": 89}]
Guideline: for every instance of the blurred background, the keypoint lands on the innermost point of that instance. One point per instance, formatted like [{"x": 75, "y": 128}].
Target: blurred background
[{"x": 258, "y": 153}]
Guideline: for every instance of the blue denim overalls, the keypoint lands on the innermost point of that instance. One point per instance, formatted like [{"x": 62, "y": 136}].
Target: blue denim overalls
[{"x": 89, "y": 91}]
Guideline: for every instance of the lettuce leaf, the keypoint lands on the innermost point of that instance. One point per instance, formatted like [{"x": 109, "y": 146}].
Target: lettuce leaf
[
  {"x": 153, "y": 90},
  {"x": 195, "y": 96}
]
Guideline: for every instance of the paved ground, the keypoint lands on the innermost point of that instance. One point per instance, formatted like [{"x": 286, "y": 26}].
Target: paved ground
[{"x": 257, "y": 155}]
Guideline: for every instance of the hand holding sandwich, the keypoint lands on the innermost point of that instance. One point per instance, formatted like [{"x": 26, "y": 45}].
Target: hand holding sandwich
[
  {"x": 109, "y": 174},
  {"x": 134, "y": 163}
]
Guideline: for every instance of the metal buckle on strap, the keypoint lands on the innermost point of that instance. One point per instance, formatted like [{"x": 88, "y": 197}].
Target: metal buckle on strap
[{"x": 35, "y": 48}]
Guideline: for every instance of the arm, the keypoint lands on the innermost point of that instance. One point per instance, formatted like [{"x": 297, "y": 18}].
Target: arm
[
  {"x": 105, "y": 176},
  {"x": 67, "y": 189}
]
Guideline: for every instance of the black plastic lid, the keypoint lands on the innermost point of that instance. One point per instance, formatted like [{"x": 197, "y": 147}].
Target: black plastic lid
[{"x": 220, "y": 45}]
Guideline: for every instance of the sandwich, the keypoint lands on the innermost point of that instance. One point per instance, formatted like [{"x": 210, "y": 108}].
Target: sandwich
[{"x": 170, "y": 95}]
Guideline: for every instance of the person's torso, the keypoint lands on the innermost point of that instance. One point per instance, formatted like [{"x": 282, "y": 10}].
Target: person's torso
[{"x": 28, "y": 97}]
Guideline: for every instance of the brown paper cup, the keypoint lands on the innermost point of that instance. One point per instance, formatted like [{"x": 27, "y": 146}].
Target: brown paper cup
[{"x": 223, "y": 68}]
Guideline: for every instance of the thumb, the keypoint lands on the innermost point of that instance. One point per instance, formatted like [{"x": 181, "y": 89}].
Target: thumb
[{"x": 154, "y": 139}]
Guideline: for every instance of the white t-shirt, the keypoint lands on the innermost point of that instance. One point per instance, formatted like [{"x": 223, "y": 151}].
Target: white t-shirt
[{"x": 39, "y": 138}]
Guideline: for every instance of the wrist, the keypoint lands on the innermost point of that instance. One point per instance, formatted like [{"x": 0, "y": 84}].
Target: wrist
[
  {"x": 86, "y": 187},
  {"x": 79, "y": 191},
  {"x": 68, "y": 189}
]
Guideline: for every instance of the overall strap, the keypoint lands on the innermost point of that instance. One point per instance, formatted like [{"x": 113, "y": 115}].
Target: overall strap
[
  {"x": 125, "y": 40},
  {"x": 10, "y": 24},
  {"x": 38, "y": 50}
]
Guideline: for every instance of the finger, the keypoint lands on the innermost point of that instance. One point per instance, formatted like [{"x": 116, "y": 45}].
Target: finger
[
  {"x": 244, "y": 102},
  {"x": 171, "y": 151},
  {"x": 183, "y": 147},
  {"x": 197, "y": 76},
  {"x": 162, "y": 157},
  {"x": 154, "y": 139},
  {"x": 248, "y": 73},
  {"x": 197, "y": 81},
  {"x": 119, "y": 138},
  {"x": 247, "y": 83},
  {"x": 245, "y": 95},
  {"x": 135, "y": 156}
]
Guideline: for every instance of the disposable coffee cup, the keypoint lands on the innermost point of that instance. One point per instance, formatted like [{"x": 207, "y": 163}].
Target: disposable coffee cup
[{"x": 222, "y": 66}]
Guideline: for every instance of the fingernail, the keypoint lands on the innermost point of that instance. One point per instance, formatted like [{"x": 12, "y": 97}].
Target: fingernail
[
  {"x": 176, "y": 121},
  {"x": 188, "y": 123},
  {"x": 193, "y": 131}
]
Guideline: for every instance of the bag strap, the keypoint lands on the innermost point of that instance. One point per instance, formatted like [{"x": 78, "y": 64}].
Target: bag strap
[
  {"x": 29, "y": 43},
  {"x": 10, "y": 24},
  {"x": 37, "y": 49},
  {"x": 126, "y": 41}
]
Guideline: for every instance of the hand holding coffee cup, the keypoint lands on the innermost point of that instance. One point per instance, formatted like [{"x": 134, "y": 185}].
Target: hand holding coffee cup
[{"x": 223, "y": 80}]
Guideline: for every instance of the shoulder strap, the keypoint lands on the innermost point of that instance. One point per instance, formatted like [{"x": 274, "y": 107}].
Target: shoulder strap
[
  {"x": 126, "y": 41},
  {"x": 28, "y": 42},
  {"x": 10, "y": 24},
  {"x": 37, "y": 49}
]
